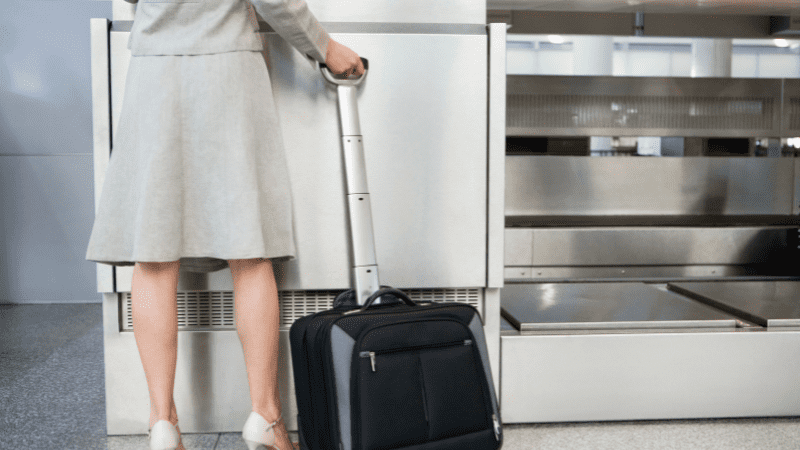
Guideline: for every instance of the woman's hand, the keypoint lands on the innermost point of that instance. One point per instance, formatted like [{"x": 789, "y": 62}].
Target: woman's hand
[{"x": 343, "y": 61}]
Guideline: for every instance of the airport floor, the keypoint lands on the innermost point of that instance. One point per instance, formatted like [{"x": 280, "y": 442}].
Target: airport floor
[{"x": 52, "y": 396}]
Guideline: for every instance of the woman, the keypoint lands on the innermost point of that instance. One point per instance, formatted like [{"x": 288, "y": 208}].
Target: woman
[{"x": 198, "y": 177}]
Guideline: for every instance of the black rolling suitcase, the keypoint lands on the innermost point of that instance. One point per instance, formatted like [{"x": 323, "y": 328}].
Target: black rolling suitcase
[{"x": 379, "y": 371}]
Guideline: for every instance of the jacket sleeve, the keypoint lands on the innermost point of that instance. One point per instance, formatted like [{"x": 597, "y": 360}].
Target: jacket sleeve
[{"x": 293, "y": 21}]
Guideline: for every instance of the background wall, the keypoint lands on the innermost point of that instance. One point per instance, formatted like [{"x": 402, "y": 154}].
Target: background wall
[{"x": 46, "y": 179}]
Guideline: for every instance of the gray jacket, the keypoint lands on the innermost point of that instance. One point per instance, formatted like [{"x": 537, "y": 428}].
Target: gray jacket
[{"x": 196, "y": 27}]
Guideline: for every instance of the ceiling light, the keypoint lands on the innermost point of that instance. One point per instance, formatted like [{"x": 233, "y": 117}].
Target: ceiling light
[
  {"x": 555, "y": 39},
  {"x": 781, "y": 43}
]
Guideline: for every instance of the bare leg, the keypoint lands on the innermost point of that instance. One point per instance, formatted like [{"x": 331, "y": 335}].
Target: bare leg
[
  {"x": 155, "y": 327},
  {"x": 257, "y": 323}
]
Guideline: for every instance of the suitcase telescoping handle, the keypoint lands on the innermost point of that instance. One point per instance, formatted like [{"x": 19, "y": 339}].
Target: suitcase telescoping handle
[{"x": 365, "y": 265}]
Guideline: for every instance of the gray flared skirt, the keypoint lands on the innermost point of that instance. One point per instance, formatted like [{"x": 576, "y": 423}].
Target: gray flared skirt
[{"x": 198, "y": 169}]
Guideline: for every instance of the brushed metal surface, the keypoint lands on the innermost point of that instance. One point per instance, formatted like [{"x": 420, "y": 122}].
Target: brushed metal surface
[
  {"x": 497, "y": 151},
  {"x": 519, "y": 246},
  {"x": 583, "y": 186},
  {"x": 541, "y": 274},
  {"x": 348, "y": 110},
  {"x": 649, "y": 376},
  {"x": 361, "y": 226},
  {"x": 578, "y": 306},
  {"x": 649, "y": 87},
  {"x": 354, "y": 162},
  {"x": 643, "y": 106},
  {"x": 646, "y": 246},
  {"x": 426, "y": 157},
  {"x": 101, "y": 126},
  {"x": 766, "y": 303}
]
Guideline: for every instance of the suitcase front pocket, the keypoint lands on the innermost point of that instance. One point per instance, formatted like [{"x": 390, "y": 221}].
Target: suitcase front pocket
[{"x": 419, "y": 394}]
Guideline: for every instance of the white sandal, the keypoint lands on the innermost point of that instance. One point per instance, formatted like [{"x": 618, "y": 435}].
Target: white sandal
[
  {"x": 164, "y": 436},
  {"x": 259, "y": 434}
]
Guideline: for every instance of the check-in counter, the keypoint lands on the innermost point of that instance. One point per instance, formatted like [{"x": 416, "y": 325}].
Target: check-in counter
[{"x": 433, "y": 140}]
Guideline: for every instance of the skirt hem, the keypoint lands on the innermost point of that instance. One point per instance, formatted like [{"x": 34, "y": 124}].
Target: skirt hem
[{"x": 202, "y": 264}]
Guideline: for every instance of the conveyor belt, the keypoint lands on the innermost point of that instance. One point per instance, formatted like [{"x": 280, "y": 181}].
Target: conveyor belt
[
  {"x": 766, "y": 303},
  {"x": 583, "y": 306}
]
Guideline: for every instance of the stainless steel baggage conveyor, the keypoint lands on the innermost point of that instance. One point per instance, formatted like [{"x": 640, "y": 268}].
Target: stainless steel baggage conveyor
[
  {"x": 646, "y": 356},
  {"x": 770, "y": 304},
  {"x": 650, "y": 287},
  {"x": 552, "y": 307}
]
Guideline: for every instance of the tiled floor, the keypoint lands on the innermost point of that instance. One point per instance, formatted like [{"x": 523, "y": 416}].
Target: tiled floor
[{"x": 52, "y": 397}]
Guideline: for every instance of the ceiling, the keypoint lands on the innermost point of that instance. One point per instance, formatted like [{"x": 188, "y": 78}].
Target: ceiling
[{"x": 706, "y": 7}]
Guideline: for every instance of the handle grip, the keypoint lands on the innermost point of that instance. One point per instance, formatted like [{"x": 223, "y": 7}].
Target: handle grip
[{"x": 340, "y": 79}]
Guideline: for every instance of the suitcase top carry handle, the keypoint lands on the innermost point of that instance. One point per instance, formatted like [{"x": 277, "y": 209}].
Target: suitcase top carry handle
[
  {"x": 344, "y": 81},
  {"x": 394, "y": 292}
]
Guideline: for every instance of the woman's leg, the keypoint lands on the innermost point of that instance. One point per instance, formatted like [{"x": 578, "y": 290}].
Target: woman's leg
[
  {"x": 257, "y": 323},
  {"x": 155, "y": 327}
]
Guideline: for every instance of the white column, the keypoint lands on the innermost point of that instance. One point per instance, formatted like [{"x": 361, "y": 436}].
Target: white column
[
  {"x": 711, "y": 57},
  {"x": 594, "y": 55}
]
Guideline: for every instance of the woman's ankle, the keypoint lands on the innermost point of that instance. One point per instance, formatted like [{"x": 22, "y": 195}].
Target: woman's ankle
[{"x": 270, "y": 414}]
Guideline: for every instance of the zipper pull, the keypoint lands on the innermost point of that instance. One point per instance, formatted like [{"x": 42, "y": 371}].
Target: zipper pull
[
  {"x": 468, "y": 342},
  {"x": 496, "y": 427},
  {"x": 371, "y": 356}
]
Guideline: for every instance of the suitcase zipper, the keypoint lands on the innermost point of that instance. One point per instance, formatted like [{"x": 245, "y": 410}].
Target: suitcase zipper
[{"x": 371, "y": 355}]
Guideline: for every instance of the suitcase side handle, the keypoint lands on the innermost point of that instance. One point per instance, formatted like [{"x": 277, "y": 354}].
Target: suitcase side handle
[{"x": 394, "y": 292}]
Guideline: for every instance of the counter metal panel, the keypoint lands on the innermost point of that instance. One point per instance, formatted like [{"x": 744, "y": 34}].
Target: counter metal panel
[
  {"x": 533, "y": 307},
  {"x": 766, "y": 303},
  {"x": 702, "y": 186}
]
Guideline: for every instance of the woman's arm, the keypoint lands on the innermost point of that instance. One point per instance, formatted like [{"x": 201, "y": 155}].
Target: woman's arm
[{"x": 294, "y": 22}]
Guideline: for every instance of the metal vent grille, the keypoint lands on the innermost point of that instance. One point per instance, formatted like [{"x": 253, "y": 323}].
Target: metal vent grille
[
  {"x": 642, "y": 106},
  {"x": 792, "y": 116},
  {"x": 639, "y": 113},
  {"x": 214, "y": 309}
]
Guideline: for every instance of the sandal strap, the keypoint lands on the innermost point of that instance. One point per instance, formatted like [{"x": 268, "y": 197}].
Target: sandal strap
[{"x": 276, "y": 420}]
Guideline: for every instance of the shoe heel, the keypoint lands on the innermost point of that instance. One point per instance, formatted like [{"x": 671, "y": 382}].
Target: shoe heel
[
  {"x": 258, "y": 433},
  {"x": 164, "y": 436}
]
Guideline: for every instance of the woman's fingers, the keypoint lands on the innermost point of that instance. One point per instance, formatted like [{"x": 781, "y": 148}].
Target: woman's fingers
[
  {"x": 359, "y": 70},
  {"x": 342, "y": 60}
]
